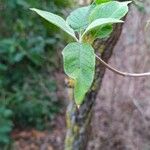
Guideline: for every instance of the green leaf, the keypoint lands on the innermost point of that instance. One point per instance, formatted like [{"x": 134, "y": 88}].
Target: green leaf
[
  {"x": 4, "y": 138},
  {"x": 79, "y": 64},
  {"x": 101, "y": 22},
  {"x": 56, "y": 20},
  {"x": 112, "y": 9},
  {"x": 5, "y": 128},
  {"x": 78, "y": 19},
  {"x": 3, "y": 67},
  {"x": 102, "y": 32},
  {"x": 101, "y": 1}
]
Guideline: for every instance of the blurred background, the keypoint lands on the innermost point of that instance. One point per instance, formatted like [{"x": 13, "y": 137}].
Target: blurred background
[
  {"x": 31, "y": 93},
  {"x": 32, "y": 96}
]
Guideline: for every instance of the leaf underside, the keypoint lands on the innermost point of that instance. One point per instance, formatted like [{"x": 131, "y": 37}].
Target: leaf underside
[
  {"x": 102, "y": 32},
  {"x": 107, "y": 9},
  {"x": 56, "y": 20},
  {"x": 100, "y": 23}
]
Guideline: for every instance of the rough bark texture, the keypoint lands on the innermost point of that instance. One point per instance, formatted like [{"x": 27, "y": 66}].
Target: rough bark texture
[
  {"x": 78, "y": 120},
  {"x": 121, "y": 115}
]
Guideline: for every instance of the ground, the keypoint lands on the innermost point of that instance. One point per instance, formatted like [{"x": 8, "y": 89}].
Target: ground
[{"x": 32, "y": 139}]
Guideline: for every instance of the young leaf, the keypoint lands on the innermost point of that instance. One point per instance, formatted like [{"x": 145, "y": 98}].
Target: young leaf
[
  {"x": 101, "y": 22},
  {"x": 102, "y": 32},
  {"x": 79, "y": 64},
  {"x": 78, "y": 19},
  {"x": 56, "y": 20},
  {"x": 112, "y": 9},
  {"x": 101, "y": 1}
]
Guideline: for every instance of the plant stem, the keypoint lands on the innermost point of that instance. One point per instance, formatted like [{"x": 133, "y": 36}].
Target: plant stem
[{"x": 125, "y": 74}]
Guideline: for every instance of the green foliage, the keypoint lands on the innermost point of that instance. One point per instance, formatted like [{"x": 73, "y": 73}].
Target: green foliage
[
  {"x": 79, "y": 57},
  {"x": 78, "y": 19},
  {"x": 101, "y": 1},
  {"x": 100, "y": 23},
  {"x": 79, "y": 64},
  {"x": 112, "y": 9},
  {"x": 36, "y": 107},
  {"x": 102, "y": 32},
  {"x": 5, "y": 125},
  {"x": 56, "y": 20},
  {"x": 26, "y": 86}
]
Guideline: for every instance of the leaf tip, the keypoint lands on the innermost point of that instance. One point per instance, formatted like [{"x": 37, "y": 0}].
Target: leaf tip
[
  {"x": 128, "y": 2},
  {"x": 31, "y": 9}
]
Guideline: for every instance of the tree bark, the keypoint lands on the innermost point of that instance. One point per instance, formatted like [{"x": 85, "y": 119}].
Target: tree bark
[
  {"x": 78, "y": 120},
  {"x": 121, "y": 112}
]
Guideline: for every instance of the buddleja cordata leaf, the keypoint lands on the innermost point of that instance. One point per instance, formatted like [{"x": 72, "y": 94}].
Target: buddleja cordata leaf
[
  {"x": 102, "y": 32},
  {"x": 78, "y": 19},
  {"x": 56, "y": 20},
  {"x": 101, "y": 22},
  {"x": 106, "y": 10},
  {"x": 112, "y": 9},
  {"x": 79, "y": 64}
]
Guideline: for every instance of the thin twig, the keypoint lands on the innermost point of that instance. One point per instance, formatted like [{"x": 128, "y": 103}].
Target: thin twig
[{"x": 125, "y": 74}]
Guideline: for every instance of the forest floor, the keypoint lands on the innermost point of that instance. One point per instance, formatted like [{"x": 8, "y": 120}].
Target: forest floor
[{"x": 52, "y": 139}]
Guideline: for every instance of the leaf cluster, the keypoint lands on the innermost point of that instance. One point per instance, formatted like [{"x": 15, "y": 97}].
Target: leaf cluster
[{"x": 95, "y": 20}]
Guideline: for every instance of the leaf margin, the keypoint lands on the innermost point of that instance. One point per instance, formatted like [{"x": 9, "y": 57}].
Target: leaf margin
[
  {"x": 100, "y": 22},
  {"x": 78, "y": 89},
  {"x": 67, "y": 28}
]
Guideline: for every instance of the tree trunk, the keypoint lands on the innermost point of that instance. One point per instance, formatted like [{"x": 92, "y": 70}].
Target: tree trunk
[
  {"x": 121, "y": 115},
  {"x": 79, "y": 120}
]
